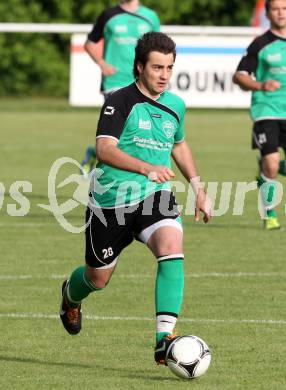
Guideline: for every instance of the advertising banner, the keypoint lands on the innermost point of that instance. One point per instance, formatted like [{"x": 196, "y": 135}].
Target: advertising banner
[{"x": 202, "y": 73}]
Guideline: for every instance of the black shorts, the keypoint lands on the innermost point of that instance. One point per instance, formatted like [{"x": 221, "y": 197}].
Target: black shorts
[
  {"x": 109, "y": 231},
  {"x": 269, "y": 135}
]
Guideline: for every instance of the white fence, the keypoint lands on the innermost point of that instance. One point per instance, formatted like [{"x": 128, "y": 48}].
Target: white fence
[{"x": 206, "y": 60}]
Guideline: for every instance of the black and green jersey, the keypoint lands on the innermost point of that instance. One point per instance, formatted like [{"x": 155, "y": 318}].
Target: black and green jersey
[
  {"x": 120, "y": 30},
  {"x": 146, "y": 129},
  {"x": 266, "y": 59}
]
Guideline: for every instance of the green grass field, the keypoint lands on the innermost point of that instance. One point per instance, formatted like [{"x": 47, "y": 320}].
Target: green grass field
[{"x": 235, "y": 271}]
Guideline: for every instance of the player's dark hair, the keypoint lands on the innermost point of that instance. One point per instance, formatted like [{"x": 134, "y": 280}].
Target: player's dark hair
[{"x": 152, "y": 41}]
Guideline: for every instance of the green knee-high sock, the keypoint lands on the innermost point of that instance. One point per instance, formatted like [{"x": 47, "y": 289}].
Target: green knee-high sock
[
  {"x": 79, "y": 286},
  {"x": 282, "y": 168},
  {"x": 168, "y": 294},
  {"x": 268, "y": 193}
]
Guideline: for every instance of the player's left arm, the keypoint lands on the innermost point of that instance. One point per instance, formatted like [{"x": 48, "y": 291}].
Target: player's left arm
[{"x": 183, "y": 157}]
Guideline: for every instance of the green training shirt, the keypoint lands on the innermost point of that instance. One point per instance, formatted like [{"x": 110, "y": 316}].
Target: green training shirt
[
  {"x": 120, "y": 30},
  {"x": 266, "y": 59},
  {"x": 146, "y": 129}
]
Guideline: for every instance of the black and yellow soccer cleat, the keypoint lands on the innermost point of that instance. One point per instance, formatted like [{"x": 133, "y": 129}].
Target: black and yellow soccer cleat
[{"x": 271, "y": 223}]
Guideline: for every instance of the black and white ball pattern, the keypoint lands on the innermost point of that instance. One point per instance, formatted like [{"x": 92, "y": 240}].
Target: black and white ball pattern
[{"x": 188, "y": 357}]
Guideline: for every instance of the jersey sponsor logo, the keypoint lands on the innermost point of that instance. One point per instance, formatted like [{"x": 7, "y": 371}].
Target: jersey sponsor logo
[
  {"x": 149, "y": 143},
  {"x": 109, "y": 110},
  {"x": 274, "y": 57},
  {"x": 168, "y": 128},
  {"x": 278, "y": 69},
  {"x": 156, "y": 115},
  {"x": 145, "y": 125},
  {"x": 143, "y": 28},
  {"x": 121, "y": 28},
  {"x": 126, "y": 40}
]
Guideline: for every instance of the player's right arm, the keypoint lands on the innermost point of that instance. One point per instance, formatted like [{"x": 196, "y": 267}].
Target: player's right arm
[
  {"x": 95, "y": 51},
  {"x": 248, "y": 83},
  {"x": 112, "y": 120},
  {"x": 108, "y": 153},
  {"x": 93, "y": 46}
]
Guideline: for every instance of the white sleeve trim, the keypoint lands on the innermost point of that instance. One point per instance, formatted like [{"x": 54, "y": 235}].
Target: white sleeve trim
[
  {"x": 107, "y": 136},
  {"x": 243, "y": 72}
]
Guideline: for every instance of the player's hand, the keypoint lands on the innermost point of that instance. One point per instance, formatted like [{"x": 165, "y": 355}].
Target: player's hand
[
  {"x": 204, "y": 205},
  {"x": 107, "y": 69},
  {"x": 270, "y": 85},
  {"x": 160, "y": 174}
]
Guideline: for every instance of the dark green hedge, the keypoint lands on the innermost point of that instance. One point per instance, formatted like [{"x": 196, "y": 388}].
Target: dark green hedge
[{"x": 38, "y": 64}]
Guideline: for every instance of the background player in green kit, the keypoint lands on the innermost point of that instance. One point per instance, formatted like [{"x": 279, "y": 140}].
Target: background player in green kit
[
  {"x": 266, "y": 59},
  {"x": 140, "y": 127},
  {"x": 119, "y": 27}
]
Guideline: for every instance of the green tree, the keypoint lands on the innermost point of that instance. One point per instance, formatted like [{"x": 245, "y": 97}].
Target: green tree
[
  {"x": 183, "y": 12},
  {"x": 204, "y": 12},
  {"x": 33, "y": 64}
]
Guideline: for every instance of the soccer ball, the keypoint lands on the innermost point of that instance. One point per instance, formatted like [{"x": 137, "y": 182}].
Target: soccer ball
[{"x": 188, "y": 357}]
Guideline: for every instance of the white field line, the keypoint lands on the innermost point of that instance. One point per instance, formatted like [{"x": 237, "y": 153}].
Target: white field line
[
  {"x": 144, "y": 276},
  {"x": 40, "y": 316},
  {"x": 30, "y": 225},
  {"x": 16, "y": 224}
]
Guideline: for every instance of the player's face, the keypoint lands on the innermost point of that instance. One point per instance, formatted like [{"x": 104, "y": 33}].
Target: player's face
[
  {"x": 155, "y": 75},
  {"x": 277, "y": 14}
]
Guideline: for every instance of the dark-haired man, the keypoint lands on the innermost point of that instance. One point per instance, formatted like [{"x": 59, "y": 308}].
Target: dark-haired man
[
  {"x": 119, "y": 27},
  {"x": 266, "y": 60},
  {"x": 140, "y": 127}
]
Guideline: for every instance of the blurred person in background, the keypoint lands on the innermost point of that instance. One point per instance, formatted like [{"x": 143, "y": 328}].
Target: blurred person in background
[
  {"x": 259, "y": 17},
  {"x": 111, "y": 45},
  {"x": 265, "y": 59}
]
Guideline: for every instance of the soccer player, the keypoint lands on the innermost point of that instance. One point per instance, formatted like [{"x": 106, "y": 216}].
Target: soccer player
[
  {"x": 119, "y": 27},
  {"x": 140, "y": 127},
  {"x": 266, "y": 60}
]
